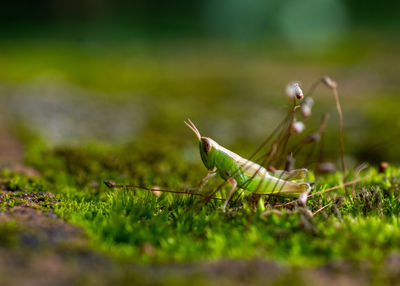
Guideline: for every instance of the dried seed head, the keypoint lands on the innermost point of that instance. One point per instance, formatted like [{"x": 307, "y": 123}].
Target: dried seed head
[
  {"x": 156, "y": 191},
  {"x": 297, "y": 127},
  {"x": 302, "y": 200},
  {"x": 329, "y": 82},
  {"x": 313, "y": 137},
  {"x": 326, "y": 168},
  {"x": 306, "y": 106},
  {"x": 383, "y": 166},
  {"x": 305, "y": 110},
  {"x": 293, "y": 90}
]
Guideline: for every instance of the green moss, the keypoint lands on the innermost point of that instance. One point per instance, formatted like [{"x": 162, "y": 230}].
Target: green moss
[
  {"x": 137, "y": 226},
  {"x": 18, "y": 190}
]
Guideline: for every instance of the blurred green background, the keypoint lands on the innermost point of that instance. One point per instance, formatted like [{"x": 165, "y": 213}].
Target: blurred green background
[{"x": 117, "y": 71}]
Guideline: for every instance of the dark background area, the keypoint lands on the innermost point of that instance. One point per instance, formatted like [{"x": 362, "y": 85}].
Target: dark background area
[
  {"x": 177, "y": 17},
  {"x": 141, "y": 67}
]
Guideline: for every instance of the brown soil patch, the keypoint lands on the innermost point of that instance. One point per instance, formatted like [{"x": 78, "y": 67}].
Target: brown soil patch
[{"x": 41, "y": 249}]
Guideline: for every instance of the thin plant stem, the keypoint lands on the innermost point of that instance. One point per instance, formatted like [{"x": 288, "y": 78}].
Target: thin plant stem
[
  {"x": 324, "y": 207},
  {"x": 339, "y": 109}
]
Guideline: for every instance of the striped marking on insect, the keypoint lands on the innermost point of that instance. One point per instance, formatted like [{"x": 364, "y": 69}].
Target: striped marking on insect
[{"x": 245, "y": 174}]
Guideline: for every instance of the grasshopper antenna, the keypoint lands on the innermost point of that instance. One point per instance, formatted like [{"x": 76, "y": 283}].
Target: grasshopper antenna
[
  {"x": 112, "y": 185},
  {"x": 193, "y": 128}
]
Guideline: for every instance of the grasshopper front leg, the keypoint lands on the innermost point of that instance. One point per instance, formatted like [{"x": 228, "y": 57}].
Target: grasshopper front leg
[
  {"x": 233, "y": 183},
  {"x": 204, "y": 181}
]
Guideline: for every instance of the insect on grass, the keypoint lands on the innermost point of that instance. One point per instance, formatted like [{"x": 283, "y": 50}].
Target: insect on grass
[
  {"x": 243, "y": 173},
  {"x": 277, "y": 152}
]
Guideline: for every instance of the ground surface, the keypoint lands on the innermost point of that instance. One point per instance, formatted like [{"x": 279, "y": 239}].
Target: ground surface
[
  {"x": 73, "y": 117},
  {"x": 39, "y": 248}
]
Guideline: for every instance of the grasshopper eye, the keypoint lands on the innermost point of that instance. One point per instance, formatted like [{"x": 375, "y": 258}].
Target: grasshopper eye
[{"x": 207, "y": 146}]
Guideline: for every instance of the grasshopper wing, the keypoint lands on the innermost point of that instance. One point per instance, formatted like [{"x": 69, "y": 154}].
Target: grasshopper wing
[
  {"x": 297, "y": 174},
  {"x": 250, "y": 168}
]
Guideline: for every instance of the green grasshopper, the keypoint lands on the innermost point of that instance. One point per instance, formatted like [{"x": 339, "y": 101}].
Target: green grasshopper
[{"x": 245, "y": 174}]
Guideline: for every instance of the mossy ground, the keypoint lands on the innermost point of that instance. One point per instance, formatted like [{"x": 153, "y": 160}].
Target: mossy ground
[
  {"x": 178, "y": 233},
  {"x": 141, "y": 228},
  {"x": 185, "y": 228},
  {"x": 135, "y": 226}
]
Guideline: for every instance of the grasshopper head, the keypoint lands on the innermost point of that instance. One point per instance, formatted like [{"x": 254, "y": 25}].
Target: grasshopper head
[
  {"x": 207, "y": 147},
  {"x": 207, "y": 152}
]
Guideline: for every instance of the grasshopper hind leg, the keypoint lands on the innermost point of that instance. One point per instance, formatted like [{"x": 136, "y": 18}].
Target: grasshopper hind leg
[{"x": 233, "y": 183}]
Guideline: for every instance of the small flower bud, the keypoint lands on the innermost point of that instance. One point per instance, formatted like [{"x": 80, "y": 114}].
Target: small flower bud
[
  {"x": 306, "y": 106},
  {"x": 156, "y": 191},
  {"x": 329, "y": 82},
  {"x": 305, "y": 110},
  {"x": 313, "y": 137},
  {"x": 308, "y": 101},
  {"x": 297, "y": 127},
  {"x": 326, "y": 168},
  {"x": 302, "y": 200},
  {"x": 293, "y": 90}
]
